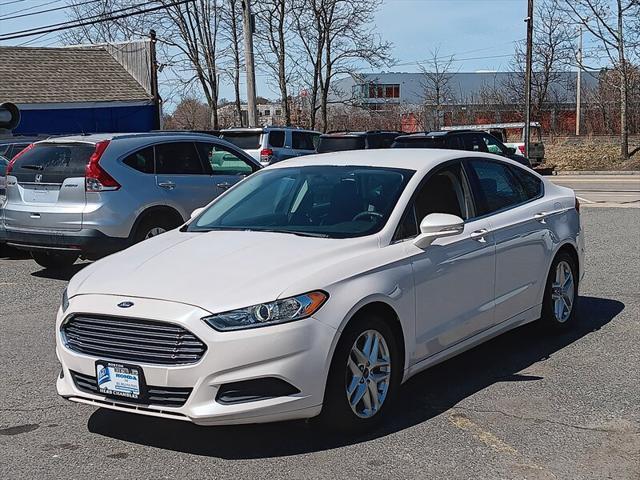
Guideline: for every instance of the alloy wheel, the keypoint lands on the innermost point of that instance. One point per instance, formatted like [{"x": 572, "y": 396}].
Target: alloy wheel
[
  {"x": 368, "y": 374},
  {"x": 562, "y": 292},
  {"x": 154, "y": 232}
]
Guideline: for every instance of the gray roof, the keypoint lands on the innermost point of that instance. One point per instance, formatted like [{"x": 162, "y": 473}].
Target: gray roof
[
  {"x": 465, "y": 87},
  {"x": 62, "y": 75}
]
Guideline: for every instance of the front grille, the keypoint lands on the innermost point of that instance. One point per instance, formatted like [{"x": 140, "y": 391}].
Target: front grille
[
  {"x": 161, "y": 396},
  {"x": 132, "y": 340}
]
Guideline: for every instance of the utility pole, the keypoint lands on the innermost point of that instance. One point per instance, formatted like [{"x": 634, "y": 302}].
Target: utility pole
[
  {"x": 154, "y": 80},
  {"x": 527, "y": 78},
  {"x": 247, "y": 28},
  {"x": 579, "y": 85}
]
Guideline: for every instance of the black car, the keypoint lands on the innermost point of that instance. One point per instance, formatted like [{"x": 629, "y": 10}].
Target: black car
[
  {"x": 470, "y": 140},
  {"x": 341, "y": 141}
]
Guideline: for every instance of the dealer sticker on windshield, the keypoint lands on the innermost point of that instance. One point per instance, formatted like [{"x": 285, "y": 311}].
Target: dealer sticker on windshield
[{"x": 119, "y": 380}]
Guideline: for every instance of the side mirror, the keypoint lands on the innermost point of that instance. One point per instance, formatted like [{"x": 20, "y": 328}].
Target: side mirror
[
  {"x": 438, "y": 225},
  {"x": 196, "y": 212}
]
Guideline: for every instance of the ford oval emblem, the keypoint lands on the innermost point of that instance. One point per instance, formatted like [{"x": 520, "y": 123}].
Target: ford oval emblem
[{"x": 125, "y": 304}]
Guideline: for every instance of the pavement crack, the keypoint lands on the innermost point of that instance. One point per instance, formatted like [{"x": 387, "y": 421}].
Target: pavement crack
[
  {"x": 34, "y": 409},
  {"x": 546, "y": 420}
]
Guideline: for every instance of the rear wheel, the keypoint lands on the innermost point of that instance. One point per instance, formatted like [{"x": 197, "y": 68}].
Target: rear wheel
[
  {"x": 561, "y": 293},
  {"x": 153, "y": 226},
  {"x": 54, "y": 260},
  {"x": 364, "y": 375}
]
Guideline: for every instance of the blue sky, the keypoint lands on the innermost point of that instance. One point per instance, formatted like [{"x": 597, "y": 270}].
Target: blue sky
[{"x": 480, "y": 33}]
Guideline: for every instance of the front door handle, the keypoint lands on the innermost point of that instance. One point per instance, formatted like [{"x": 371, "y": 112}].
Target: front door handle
[
  {"x": 479, "y": 235},
  {"x": 167, "y": 185},
  {"x": 224, "y": 186}
]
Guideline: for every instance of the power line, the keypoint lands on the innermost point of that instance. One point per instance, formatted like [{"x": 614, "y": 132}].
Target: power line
[
  {"x": 39, "y": 12},
  {"x": 31, "y": 8},
  {"x": 88, "y": 21},
  {"x": 15, "y": 1}
]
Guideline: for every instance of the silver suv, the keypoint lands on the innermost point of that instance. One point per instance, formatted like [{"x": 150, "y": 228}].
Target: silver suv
[
  {"x": 89, "y": 196},
  {"x": 273, "y": 144}
]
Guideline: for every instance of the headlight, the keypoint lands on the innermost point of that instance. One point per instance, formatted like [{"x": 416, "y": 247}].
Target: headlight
[
  {"x": 65, "y": 300},
  {"x": 280, "y": 311}
]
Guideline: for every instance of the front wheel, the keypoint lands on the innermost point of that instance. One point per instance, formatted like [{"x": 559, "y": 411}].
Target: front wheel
[
  {"x": 364, "y": 374},
  {"x": 54, "y": 260},
  {"x": 561, "y": 292}
]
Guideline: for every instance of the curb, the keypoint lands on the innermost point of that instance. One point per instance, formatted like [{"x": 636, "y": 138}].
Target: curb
[{"x": 597, "y": 172}]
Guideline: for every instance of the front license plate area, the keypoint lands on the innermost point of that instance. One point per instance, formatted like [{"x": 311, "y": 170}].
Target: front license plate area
[{"x": 118, "y": 380}]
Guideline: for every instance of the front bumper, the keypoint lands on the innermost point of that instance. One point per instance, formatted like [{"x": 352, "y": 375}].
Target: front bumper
[
  {"x": 297, "y": 352},
  {"x": 88, "y": 243}
]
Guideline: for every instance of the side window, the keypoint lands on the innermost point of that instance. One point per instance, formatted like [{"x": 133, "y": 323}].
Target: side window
[
  {"x": 142, "y": 160},
  {"x": 493, "y": 146},
  {"x": 532, "y": 184},
  {"x": 178, "y": 158},
  {"x": 223, "y": 161},
  {"x": 276, "y": 138},
  {"x": 302, "y": 141},
  {"x": 408, "y": 227},
  {"x": 454, "y": 142},
  {"x": 498, "y": 187},
  {"x": 474, "y": 142}
]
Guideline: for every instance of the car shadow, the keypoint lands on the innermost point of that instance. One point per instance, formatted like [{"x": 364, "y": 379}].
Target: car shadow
[
  {"x": 423, "y": 397},
  {"x": 60, "y": 273},
  {"x": 10, "y": 253}
]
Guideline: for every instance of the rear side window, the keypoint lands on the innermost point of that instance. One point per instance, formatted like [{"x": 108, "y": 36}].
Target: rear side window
[
  {"x": 302, "y": 141},
  {"x": 53, "y": 162},
  {"x": 421, "y": 142},
  {"x": 474, "y": 143},
  {"x": 142, "y": 160},
  {"x": 178, "y": 158},
  {"x": 498, "y": 187},
  {"x": 532, "y": 184},
  {"x": 276, "y": 138},
  {"x": 244, "y": 140}
]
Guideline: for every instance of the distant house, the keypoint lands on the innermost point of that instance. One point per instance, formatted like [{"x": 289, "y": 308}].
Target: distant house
[{"x": 93, "y": 89}]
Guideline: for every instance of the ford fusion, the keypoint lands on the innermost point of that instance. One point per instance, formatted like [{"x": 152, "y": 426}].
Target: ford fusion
[{"x": 318, "y": 285}]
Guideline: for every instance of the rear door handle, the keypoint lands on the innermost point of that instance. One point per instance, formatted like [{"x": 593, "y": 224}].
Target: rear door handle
[
  {"x": 540, "y": 216},
  {"x": 479, "y": 235},
  {"x": 167, "y": 185}
]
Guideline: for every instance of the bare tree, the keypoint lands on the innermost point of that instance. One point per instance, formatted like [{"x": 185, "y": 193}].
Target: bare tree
[
  {"x": 436, "y": 86},
  {"x": 231, "y": 30},
  {"x": 552, "y": 55},
  {"x": 615, "y": 25},
  {"x": 189, "y": 114}
]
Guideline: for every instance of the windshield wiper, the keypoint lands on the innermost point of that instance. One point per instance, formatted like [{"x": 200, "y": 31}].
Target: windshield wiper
[
  {"x": 292, "y": 232},
  {"x": 33, "y": 167}
]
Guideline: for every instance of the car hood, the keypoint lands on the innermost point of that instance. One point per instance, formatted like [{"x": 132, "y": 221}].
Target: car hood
[{"x": 218, "y": 270}]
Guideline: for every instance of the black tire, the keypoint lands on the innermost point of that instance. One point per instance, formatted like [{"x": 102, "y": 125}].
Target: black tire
[
  {"x": 550, "y": 315},
  {"x": 54, "y": 260},
  {"x": 152, "y": 222},
  {"x": 337, "y": 413}
]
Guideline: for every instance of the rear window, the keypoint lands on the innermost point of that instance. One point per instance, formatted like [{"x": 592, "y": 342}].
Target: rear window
[
  {"x": 340, "y": 144},
  {"x": 53, "y": 162},
  {"x": 244, "y": 140},
  {"x": 420, "y": 142}
]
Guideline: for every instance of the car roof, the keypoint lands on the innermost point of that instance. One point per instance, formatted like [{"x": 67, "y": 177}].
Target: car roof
[
  {"x": 418, "y": 159},
  {"x": 265, "y": 129},
  {"x": 99, "y": 137},
  {"x": 348, "y": 133}
]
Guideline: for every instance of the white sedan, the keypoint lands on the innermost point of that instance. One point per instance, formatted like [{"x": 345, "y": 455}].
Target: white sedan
[{"x": 319, "y": 285}]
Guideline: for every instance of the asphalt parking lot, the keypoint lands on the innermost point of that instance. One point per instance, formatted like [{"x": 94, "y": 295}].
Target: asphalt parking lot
[{"x": 525, "y": 405}]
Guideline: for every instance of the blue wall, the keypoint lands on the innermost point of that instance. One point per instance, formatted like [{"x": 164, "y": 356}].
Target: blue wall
[{"x": 113, "y": 119}]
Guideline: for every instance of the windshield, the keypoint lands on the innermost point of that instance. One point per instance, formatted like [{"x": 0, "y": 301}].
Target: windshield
[
  {"x": 244, "y": 140},
  {"x": 322, "y": 201},
  {"x": 340, "y": 144}
]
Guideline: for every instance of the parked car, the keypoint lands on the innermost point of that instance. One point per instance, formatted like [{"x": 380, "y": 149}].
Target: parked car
[
  {"x": 319, "y": 285},
  {"x": 11, "y": 146},
  {"x": 343, "y": 141},
  {"x": 272, "y": 144},
  {"x": 92, "y": 195},
  {"x": 459, "y": 140},
  {"x": 502, "y": 131}
]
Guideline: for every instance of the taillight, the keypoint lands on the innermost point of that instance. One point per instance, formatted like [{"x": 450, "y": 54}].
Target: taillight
[
  {"x": 96, "y": 179},
  {"x": 521, "y": 148},
  {"x": 577, "y": 205},
  {"x": 16, "y": 156},
  {"x": 265, "y": 155}
]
